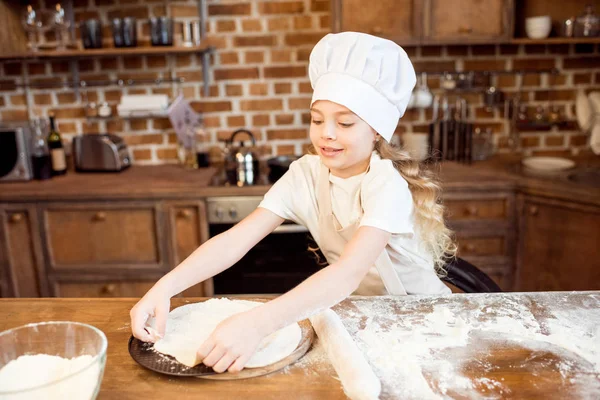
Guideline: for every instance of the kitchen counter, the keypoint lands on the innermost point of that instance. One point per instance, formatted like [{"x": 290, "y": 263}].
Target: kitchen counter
[
  {"x": 528, "y": 345},
  {"x": 173, "y": 181}
]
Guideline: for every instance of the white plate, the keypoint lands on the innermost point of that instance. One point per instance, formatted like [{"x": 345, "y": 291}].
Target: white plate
[{"x": 548, "y": 163}]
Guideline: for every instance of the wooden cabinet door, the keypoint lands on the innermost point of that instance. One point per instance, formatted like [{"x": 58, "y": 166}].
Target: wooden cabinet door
[
  {"x": 467, "y": 21},
  {"x": 21, "y": 263},
  {"x": 397, "y": 20},
  {"x": 189, "y": 230},
  {"x": 558, "y": 246},
  {"x": 105, "y": 237}
]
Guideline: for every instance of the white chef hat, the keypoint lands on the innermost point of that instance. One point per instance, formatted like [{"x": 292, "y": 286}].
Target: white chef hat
[{"x": 371, "y": 76}]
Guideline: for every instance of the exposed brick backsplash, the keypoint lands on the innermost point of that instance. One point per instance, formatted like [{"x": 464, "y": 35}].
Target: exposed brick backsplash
[{"x": 259, "y": 79}]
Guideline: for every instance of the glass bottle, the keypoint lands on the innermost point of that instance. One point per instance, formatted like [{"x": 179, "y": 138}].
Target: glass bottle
[
  {"x": 587, "y": 24},
  {"x": 57, "y": 151},
  {"x": 40, "y": 155}
]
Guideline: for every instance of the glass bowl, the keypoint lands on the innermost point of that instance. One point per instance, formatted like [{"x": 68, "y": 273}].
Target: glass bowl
[{"x": 72, "y": 368}]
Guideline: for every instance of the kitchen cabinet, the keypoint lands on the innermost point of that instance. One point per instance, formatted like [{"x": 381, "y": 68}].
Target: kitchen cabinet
[
  {"x": 484, "y": 225},
  {"x": 119, "y": 235},
  {"x": 397, "y": 20},
  {"x": 412, "y": 22},
  {"x": 558, "y": 246},
  {"x": 467, "y": 21},
  {"x": 114, "y": 248},
  {"x": 21, "y": 265}
]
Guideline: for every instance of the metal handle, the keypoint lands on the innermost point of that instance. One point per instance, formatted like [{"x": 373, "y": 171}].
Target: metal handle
[
  {"x": 465, "y": 29},
  {"x": 16, "y": 218},
  {"x": 185, "y": 214},
  {"x": 534, "y": 210},
  {"x": 100, "y": 216},
  {"x": 290, "y": 228},
  {"x": 109, "y": 288},
  {"x": 472, "y": 210}
]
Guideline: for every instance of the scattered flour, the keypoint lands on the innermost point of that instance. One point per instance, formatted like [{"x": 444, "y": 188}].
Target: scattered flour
[
  {"x": 420, "y": 346},
  {"x": 33, "y": 371}
]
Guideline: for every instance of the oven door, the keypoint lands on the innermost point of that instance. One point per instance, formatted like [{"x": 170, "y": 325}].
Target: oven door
[{"x": 276, "y": 264}]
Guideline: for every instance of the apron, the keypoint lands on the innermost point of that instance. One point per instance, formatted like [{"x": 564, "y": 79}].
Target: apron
[{"x": 380, "y": 280}]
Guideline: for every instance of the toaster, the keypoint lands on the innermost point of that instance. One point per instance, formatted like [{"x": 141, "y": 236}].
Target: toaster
[{"x": 100, "y": 152}]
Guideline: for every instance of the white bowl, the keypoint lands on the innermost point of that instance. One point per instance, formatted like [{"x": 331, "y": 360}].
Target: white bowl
[
  {"x": 538, "y": 27},
  {"x": 52, "y": 376}
]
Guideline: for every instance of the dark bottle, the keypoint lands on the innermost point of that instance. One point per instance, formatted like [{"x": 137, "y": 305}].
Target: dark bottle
[
  {"x": 57, "y": 151},
  {"x": 40, "y": 156}
]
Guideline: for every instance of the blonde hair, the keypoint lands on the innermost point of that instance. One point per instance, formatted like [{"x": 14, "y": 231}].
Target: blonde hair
[{"x": 428, "y": 209}]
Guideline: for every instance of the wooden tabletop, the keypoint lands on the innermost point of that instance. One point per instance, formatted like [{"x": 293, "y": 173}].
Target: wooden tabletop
[{"x": 515, "y": 348}]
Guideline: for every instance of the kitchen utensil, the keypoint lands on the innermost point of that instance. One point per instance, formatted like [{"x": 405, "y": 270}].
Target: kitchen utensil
[
  {"x": 161, "y": 31},
  {"x": 482, "y": 144},
  {"x": 241, "y": 163},
  {"x": 144, "y": 354},
  {"x": 196, "y": 33},
  {"x": 279, "y": 165},
  {"x": 538, "y": 27},
  {"x": 587, "y": 24},
  {"x": 434, "y": 130},
  {"x": 91, "y": 34},
  {"x": 569, "y": 27},
  {"x": 493, "y": 97},
  {"x": 186, "y": 34},
  {"x": 584, "y": 111},
  {"x": 124, "y": 32},
  {"x": 100, "y": 152},
  {"x": 422, "y": 94},
  {"x": 548, "y": 164},
  {"x": 445, "y": 128},
  {"x": 63, "y": 339}
]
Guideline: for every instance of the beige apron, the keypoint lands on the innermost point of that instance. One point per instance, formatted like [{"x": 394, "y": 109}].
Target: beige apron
[{"x": 381, "y": 280}]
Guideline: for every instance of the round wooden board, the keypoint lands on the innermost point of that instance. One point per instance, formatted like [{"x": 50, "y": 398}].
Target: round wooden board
[{"x": 308, "y": 335}]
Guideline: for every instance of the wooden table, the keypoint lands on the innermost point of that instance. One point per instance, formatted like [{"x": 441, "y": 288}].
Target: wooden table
[{"x": 524, "y": 373}]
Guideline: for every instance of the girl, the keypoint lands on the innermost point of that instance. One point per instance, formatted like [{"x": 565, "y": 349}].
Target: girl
[{"x": 372, "y": 211}]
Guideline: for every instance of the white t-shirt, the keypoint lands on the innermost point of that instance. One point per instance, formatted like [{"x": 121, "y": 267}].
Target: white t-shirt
[{"x": 386, "y": 204}]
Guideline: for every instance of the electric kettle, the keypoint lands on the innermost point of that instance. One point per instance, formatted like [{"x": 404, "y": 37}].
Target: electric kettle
[{"x": 241, "y": 163}]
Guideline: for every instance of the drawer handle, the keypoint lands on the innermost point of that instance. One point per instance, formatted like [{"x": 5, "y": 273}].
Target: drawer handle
[
  {"x": 16, "y": 218},
  {"x": 185, "y": 214},
  {"x": 470, "y": 247},
  {"x": 109, "y": 289},
  {"x": 465, "y": 29},
  {"x": 100, "y": 216},
  {"x": 534, "y": 210},
  {"x": 472, "y": 211}
]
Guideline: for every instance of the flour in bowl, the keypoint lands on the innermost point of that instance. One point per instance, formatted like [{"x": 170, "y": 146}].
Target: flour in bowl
[{"x": 19, "y": 377}]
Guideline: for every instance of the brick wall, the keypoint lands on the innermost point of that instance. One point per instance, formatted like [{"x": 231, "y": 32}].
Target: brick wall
[{"x": 259, "y": 79}]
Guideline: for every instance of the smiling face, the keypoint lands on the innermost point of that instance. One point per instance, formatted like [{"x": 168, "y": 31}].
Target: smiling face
[{"x": 343, "y": 140}]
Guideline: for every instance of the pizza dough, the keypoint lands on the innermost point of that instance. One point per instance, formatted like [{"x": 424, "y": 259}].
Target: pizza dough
[{"x": 190, "y": 325}]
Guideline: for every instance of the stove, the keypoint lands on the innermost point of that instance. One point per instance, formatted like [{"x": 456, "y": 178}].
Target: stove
[{"x": 233, "y": 178}]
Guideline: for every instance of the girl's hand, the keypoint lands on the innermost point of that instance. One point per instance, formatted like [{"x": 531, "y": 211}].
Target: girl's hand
[
  {"x": 156, "y": 303},
  {"x": 232, "y": 343}
]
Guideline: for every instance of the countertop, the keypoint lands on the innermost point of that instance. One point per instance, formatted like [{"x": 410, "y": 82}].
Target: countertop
[
  {"x": 527, "y": 345},
  {"x": 174, "y": 181}
]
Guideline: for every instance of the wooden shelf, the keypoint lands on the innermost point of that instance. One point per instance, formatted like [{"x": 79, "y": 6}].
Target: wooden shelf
[
  {"x": 557, "y": 40},
  {"x": 105, "y": 52}
]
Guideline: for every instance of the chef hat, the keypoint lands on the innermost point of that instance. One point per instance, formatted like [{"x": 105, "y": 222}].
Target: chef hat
[{"x": 371, "y": 76}]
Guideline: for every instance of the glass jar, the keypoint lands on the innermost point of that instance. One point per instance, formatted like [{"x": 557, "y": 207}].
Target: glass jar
[{"x": 587, "y": 24}]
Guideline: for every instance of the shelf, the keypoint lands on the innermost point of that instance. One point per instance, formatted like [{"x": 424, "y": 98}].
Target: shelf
[
  {"x": 556, "y": 40},
  {"x": 113, "y": 117},
  {"x": 106, "y": 52}
]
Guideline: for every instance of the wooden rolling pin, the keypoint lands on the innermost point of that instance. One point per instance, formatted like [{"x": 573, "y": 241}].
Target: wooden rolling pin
[{"x": 358, "y": 379}]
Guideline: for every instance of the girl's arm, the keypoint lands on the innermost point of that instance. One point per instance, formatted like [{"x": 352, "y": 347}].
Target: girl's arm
[
  {"x": 221, "y": 252},
  {"x": 211, "y": 258},
  {"x": 234, "y": 341}
]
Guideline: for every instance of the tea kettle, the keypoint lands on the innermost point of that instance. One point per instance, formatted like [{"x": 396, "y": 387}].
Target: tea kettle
[{"x": 241, "y": 163}]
